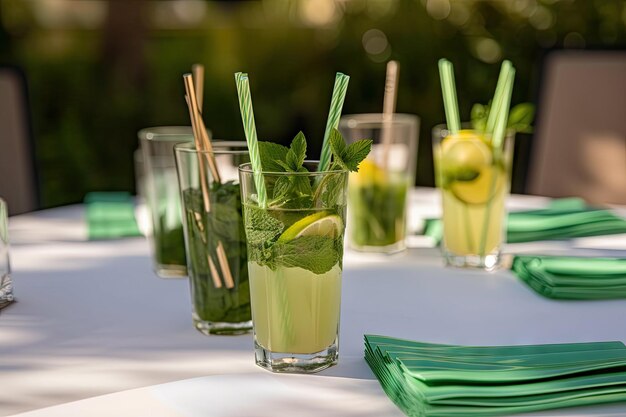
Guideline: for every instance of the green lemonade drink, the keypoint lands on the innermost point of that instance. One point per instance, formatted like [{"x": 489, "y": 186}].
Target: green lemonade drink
[
  {"x": 377, "y": 207},
  {"x": 474, "y": 182},
  {"x": 295, "y": 233},
  {"x": 296, "y": 301}
]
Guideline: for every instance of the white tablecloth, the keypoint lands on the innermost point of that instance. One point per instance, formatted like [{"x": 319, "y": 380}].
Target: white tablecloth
[{"x": 92, "y": 319}]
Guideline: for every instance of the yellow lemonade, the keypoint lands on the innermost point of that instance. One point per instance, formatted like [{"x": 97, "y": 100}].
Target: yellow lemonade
[
  {"x": 295, "y": 310},
  {"x": 474, "y": 181}
]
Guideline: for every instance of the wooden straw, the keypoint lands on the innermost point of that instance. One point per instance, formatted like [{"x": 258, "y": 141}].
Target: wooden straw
[
  {"x": 203, "y": 138},
  {"x": 214, "y": 274},
  {"x": 223, "y": 260},
  {"x": 198, "y": 79},
  {"x": 196, "y": 137},
  {"x": 389, "y": 108},
  {"x": 203, "y": 146}
]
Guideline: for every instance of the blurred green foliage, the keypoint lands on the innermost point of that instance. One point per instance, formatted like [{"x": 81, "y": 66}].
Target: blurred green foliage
[{"x": 96, "y": 79}]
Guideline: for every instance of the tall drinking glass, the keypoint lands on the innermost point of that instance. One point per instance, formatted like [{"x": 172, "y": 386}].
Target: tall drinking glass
[
  {"x": 217, "y": 262},
  {"x": 6, "y": 285},
  {"x": 295, "y": 253},
  {"x": 377, "y": 196},
  {"x": 161, "y": 192},
  {"x": 474, "y": 178}
]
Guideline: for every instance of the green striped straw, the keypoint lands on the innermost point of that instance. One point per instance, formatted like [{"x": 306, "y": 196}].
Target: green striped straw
[
  {"x": 497, "y": 96},
  {"x": 448, "y": 89},
  {"x": 497, "y": 141},
  {"x": 249, "y": 127},
  {"x": 336, "y": 104},
  {"x": 503, "y": 111}
]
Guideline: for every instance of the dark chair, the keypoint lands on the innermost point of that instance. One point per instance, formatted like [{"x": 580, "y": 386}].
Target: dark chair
[
  {"x": 18, "y": 179},
  {"x": 579, "y": 144}
]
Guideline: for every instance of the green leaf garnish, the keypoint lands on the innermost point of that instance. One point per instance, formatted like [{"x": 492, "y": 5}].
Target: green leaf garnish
[
  {"x": 348, "y": 157},
  {"x": 297, "y": 153},
  {"x": 314, "y": 253},
  {"x": 293, "y": 192},
  {"x": 270, "y": 154},
  {"x": 520, "y": 118}
]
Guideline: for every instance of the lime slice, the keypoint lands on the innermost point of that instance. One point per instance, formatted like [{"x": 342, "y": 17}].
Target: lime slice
[{"x": 317, "y": 224}]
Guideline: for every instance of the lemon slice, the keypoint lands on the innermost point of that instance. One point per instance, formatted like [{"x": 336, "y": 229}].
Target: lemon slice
[
  {"x": 489, "y": 181},
  {"x": 465, "y": 151},
  {"x": 317, "y": 224},
  {"x": 369, "y": 173},
  {"x": 467, "y": 162}
]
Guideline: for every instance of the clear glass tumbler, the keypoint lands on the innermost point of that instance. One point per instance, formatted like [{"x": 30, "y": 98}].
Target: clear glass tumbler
[
  {"x": 163, "y": 199},
  {"x": 474, "y": 178},
  {"x": 6, "y": 285},
  {"x": 295, "y": 254},
  {"x": 378, "y": 193},
  {"x": 217, "y": 262}
]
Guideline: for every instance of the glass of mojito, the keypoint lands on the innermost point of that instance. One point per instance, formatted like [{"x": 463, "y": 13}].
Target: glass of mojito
[
  {"x": 295, "y": 253},
  {"x": 474, "y": 178},
  {"x": 165, "y": 233},
  {"x": 217, "y": 261},
  {"x": 377, "y": 196}
]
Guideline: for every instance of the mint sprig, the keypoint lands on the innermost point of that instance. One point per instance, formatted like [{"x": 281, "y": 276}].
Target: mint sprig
[
  {"x": 520, "y": 117},
  {"x": 297, "y": 191},
  {"x": 348, "y": 156}
]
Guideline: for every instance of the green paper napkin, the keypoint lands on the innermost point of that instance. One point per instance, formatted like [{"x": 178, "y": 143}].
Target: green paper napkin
[
  {"x": 110, "y": 215},
  {"x": 564, "y": 219},
  {"x": 426, "y": 379},
  {"x": 575, "y": 278}
]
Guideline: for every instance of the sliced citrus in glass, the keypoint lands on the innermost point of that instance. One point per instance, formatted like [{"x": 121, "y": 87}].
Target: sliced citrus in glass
[
  {"x": 465, "y": 151},
  {"x": 317, "y": 224},
  {"x": 480, "y": 190},
  {"x": 467, "y": 162},
  {"x": 369, "y": 173}
]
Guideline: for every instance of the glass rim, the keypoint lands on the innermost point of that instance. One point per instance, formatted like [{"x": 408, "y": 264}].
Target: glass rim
[
  {"x": 377, "y": 119},
  {"x": 155, "y": 133},
  {"x": 441, "y": 127},
  {"x": 219, "y": 147},
  {"x": 247, "y": 168}
]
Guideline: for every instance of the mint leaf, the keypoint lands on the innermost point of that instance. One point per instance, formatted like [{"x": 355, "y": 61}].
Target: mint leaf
[
  {"x": 285, "y": 165},
  {"x": 478, "y": 116},
  {"x": 302, "y": 202},
  {"x": 348, "y": 157},
  {"x": 281, "y": 188},
  {"x": 521, "y": 117},
  {"x": 357, "y": 152},
  {"x": 271, "y": 153},
  {"x": 313, "y": 253},
  {"x": 261, "y": 227},
  {"x": 332, "y": 194},
  {"x": 297, "y": 152},
  {"x": 337, "y": 144}
]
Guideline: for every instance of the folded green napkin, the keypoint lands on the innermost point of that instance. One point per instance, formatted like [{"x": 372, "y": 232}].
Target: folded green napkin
[
  {"x": 571, "y": 277},
  {"x": 110, "y": 215},
  {"x": 426, "y": 379},
  {"x": 564, "y": 219}
]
